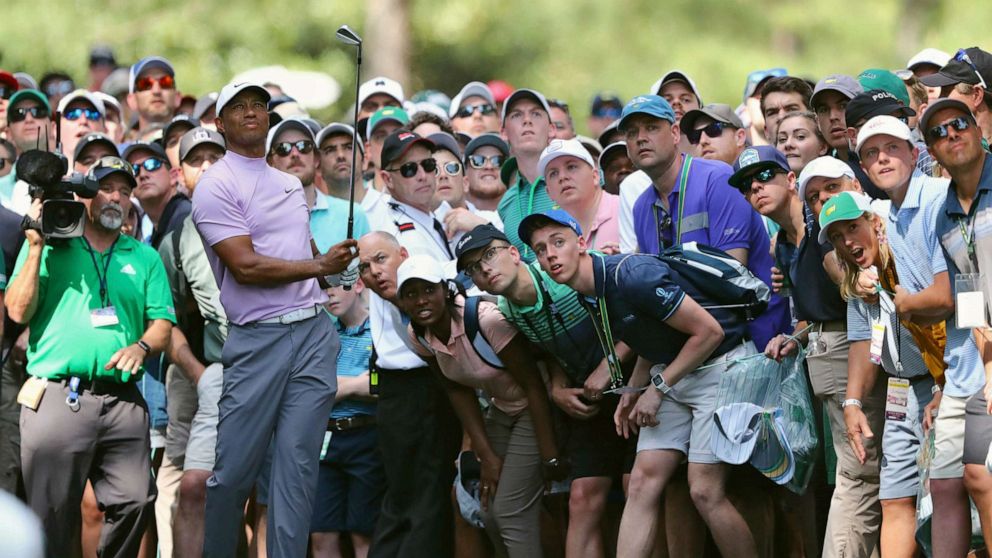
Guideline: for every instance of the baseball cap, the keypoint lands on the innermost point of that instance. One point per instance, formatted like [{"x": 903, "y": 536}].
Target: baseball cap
[
  {"x": 443, "y": 140},
  {"x": 758, "y": 77},
  {"x": 383, "y": 85},
  {"x": 535, "y": 221},
  {"x": 772, "y": 455},
  {"x": 108, "y": 165},
  {"x": 287, "y": 124},
  {"x": 338, "y": 128},
  {"x": 90, "y": 139},
  {"x": 231, "y": 90},
  {"x": 717, "y": 111},
  {"x": 8, "y": 79},
  {"x": 386, "y": 114},
  {"x": 145, "y": 64},
  {"x": 484, "y": 140},
  {"x": 501, "y": 89},
  {"x": 611, "y": 150},
  {"x": 845, "y": 206},
  {"x": 843, "y": 84},
  {"x": 29, "y": 94},
  {"x": 676, "y": 75},
  {"x": 651, "y": 105},
  {"x": 524, "y": 94},
  {"x": 471, "y": 89},
  {"x": 875, "y": 103},
  {"x": 479, "y": 237},
  {"x": 109, "y": 102},
  {"x": 153, "y": 147},
  {"x": 826, "y": 167},
  {"x": 877, "y": 78},
  {"x": 87, "y": 96},
  {"x": 180, "y": 123},
  {"x": 420, "y": 266},
  {"x": 203, "y": 104},
  {"x": 398, "y": 143},
  {"x": 924, "y": 122},
  {"x": 736, "y": 429},
  {"x": 931, "y": 56},
  {"x": 432, "y": 97},
  {"x": 102, "y": 54},
  {"x": 117, "y": 83},
  {"x": 199, "y": 136},
  {"x": 969, "y": 65},
  {"x": 609, "y": 130},
  {"x": 883, "y": 125},
  {"x": 560, "y": 148},
  {"x": 606, "y": 105},
  {"x": 756, "y": 159}
]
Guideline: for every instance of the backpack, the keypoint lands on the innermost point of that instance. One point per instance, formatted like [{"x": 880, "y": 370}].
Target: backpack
[
  {"x": 720, "y": 277},
  {"x": 473, "y": 332}
]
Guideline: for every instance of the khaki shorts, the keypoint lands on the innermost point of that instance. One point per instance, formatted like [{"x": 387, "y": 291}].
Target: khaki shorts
[
  {"x": 201, "y": 449},
  {"x": 949, "y": 439}
]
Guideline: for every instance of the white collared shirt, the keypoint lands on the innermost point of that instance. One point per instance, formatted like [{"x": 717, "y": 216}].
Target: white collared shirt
[{"x": 389, "y": 336}]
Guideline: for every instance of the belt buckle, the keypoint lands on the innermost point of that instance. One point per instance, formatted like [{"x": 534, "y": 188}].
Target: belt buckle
[{"x": 346, "y": 423}]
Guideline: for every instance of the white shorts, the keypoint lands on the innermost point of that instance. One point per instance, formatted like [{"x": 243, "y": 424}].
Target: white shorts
[
  {"x": 201, "y": 448},
  {"x": 949, "y": 439}
]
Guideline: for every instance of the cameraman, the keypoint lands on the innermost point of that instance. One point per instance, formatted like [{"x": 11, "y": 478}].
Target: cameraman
[{"x": 97, "y": 306}]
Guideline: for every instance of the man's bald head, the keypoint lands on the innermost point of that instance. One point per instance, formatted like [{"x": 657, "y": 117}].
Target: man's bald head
[{"x": 380, "y": 255}]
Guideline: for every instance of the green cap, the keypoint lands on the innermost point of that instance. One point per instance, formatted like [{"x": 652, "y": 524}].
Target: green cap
[
  {"x": 386, "y": 114},
  {"x": 845, "y": 206},
  {"x": 30, "y": 94},
  {"x": 876, "y": 78}
]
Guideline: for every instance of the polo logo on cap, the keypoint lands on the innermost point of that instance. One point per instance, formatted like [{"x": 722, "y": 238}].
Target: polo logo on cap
[
  {"x": 555, "y": 145},
  {"x": 639, "y": 100},
  {"x": 465, "y": 240},
  {"x": 830, "y": 80},
  {"x": 831, "y": 209},
  {"x": 748, "y": 157},
  {"x": 380, "y": 82},
  {"x": 201, "y": 135},
  {"x": 405, "y": 136},
  {"x": 388, "y": 111},
  {"x": 883, "y": 95}
]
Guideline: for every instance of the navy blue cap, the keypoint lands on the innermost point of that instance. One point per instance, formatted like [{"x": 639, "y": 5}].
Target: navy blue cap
[
  {"x": 756, "y": 159},
  {"x": 652, "y": 105},
  {"x": 537, "y": 220}
]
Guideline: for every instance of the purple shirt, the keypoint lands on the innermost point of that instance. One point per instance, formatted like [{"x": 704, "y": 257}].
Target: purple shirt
[
  {"x": 239, "y": 196},
  {"x": 717, "y": 215}
]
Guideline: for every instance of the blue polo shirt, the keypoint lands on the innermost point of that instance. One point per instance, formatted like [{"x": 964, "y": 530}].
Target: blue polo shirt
[
  {"x": 965, "y": 373},
  {"x": 329, "y": 221},
  {"x": 641, "y": 292},
  {"x": 717, "y": 215},
  {"x": 353, "y": 360}
]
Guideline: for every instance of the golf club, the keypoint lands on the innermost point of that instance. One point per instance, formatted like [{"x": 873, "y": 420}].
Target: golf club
[{"x": 349, "y": 37}]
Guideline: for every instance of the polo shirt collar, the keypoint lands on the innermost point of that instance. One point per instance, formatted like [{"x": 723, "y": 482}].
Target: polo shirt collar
[
  {"x": 320, "y": 203},
  {"x": 604, "y": 213},
  {"x": 536, "y": 278},
  {"x": 124, "y": 243},
  {"x": 913, "y": 195},
  {"x": 678, "y": 180},
  {"x": 953, "y": 206},
  {"x": 457, "y": 331}
]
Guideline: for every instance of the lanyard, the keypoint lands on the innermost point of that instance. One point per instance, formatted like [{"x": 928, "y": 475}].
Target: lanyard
[
  {"x": 102, "y": 277},
  {"x": 968, "y": 234},
  {"x": 530, "y": 201},
  {"x": 604, "y": 333},
  {"x": 667, "y": 221}
]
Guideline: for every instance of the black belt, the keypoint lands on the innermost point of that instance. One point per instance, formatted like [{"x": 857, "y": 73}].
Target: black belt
[
  {"x": 832, "y": 326},
  {"x": 349, "y": 423},
  {"x": 99, "y": 387}
]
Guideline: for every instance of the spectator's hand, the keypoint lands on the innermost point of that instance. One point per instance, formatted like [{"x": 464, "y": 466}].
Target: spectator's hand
[
  {"x": 930, "y": 411},
  {"x": 857, "y": 429},
  {"x": 346, "y": 278},
  {"x": 19, "y": 351},
  {"x": 610, "y": 248},
  {"x": 339, "y": 257},
  {"x": 492, "y": 466},
  {"x": 127, "y": 360},
  {"x": 597, "y": 382},
  {"x": 780, "y": 347},
  {"x": 899, "y": 300},
  {"x": 777, "y": 279},
  {"x": 460, "y": 220},
  {"x": 865, "y": 287},
  {"x": 34, "y": 237},
  {"x": 621, "y": 417},
  {"x": 645, "y": 412},
  {"x": 568, "y": 400}
]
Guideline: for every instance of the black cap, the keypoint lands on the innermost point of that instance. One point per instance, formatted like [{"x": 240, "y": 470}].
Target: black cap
[
  {"x": 875, "y": 103},
  {"x": 443, "y": 140},
  {"x": 180, "y": 123},
  {"x": 939, "y": 105},
  {"x": 959, "y": 69},
  {"x": 479, "y": 237},
  {"x": 154, "y": 147},
  {"x": 483, "y": 140},
  {"x": 90, "y": 139},
  {"x": 398, "y": 143},
  {"x": 102, "y": 55}
]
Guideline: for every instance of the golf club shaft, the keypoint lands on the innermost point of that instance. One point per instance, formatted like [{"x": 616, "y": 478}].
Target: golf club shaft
[{"x": 354, "y": 145}]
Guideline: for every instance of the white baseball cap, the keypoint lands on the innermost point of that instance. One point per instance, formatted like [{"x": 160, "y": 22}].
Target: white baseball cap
[
  {"x": 471, "y": 89},
  {"x": 232, "y": 89},
  {"x": 88, "y": 96},
  {"x": 383, "y": 85},
  {"x": 419, "y": 267},
  {"x": 289, "y": 123},
  {"x": 826, "y": 167},
  {"x": 560, "y": 148},
  {"x": 883, "y": 125},
  {"x": 676, "y": 75},
  {"x": 932, "y": 56}
]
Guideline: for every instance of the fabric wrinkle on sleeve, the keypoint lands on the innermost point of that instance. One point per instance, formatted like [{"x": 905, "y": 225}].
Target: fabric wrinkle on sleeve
[
  {"x": 495, "y": 327},
  {"x": 158, "y": 296},
  {"x": 858, "y": 321},
  {"x": 216, "y": 211},
  {"x": 652, "y": 290},
  {"x": 729, "y": 213}
]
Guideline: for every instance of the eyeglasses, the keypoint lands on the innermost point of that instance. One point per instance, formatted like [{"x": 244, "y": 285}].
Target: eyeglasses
[
  {"x": 150, "y": 164},
  {"x": 409, "y": 170},
  {"x": 488, "y": 256},
  {"x": 479, "y": 161},
  {"x": 451, "y": 168},
  {"x": 940, "y": 131},
  {"x": 283, "y": 149},
  {"x": 6, "y": 92},
  {"x": 485, "y": 109},
  {"x": 147, "y": 82},
  {"x": 713, "y": 130},
  {"x": 762, "y": 177},
  {"x": 962, "y": 56},
  {"x": 74, "y": 114},
  {"x": 21, "y": 113}
]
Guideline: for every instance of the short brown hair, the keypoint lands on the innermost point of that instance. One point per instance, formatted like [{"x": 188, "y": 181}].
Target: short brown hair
[{"x": 786, "y": 84}]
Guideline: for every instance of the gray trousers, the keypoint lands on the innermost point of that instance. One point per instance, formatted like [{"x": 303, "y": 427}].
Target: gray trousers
[
  {"x": 279, "y": 386},
  {"x": 105, "y": 441}
]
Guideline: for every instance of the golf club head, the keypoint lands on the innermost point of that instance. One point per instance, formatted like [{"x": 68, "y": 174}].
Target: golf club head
[{"x": 348, "y": 37}]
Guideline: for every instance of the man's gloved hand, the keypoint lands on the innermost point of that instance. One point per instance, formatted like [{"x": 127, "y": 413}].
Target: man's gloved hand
[{"x": 346, "y": 278}]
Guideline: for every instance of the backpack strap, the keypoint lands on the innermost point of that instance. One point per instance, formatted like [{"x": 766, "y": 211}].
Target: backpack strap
[{"x": 474, "y": 332}]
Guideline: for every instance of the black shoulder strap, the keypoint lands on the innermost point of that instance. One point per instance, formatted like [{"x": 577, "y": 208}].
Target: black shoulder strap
[
  {"x": 473, "y": 331},
  {"x": 177, "y": 235}
]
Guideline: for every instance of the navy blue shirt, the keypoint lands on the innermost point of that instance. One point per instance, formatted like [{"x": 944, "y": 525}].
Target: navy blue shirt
[
  {"x": 641, "y": 292},
  {"x": 815, "y": 297}
]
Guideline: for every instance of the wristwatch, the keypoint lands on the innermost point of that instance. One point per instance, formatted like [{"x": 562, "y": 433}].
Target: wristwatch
[
  {"x": 660, "y": 384},
  {"x": 849, "y": 402},
  {"x": 144, "y": 346}
]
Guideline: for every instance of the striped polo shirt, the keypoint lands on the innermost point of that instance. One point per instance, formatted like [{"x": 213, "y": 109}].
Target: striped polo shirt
[
  {"x": 520, "y": 200},
  {"x": 966, "y": 373},
  {"x": 557, "y": 324},
  {"x": 353, "y": 360},
  {"x": 860, "y": 316}
]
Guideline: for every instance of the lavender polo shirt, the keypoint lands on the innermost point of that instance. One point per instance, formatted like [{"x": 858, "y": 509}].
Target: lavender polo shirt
[
  {"x": 239, "y": 196},
  {"x": 717, "y": 215}
]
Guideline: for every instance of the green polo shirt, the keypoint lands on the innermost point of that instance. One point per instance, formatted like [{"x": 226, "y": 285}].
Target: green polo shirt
[
  {"x": 63, "y": 340},
  {"x": 520, "y": 200}
]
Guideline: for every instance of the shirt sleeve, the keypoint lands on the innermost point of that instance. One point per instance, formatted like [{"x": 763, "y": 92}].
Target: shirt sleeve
[
  {"x": 22, "y": 257},
  {"x": 168, "y": 252},
  {"x": 730, "y": 215},
  {"x": 649, "y": 288},
  {"x": 494, "y": 326},
  {"x": 216, "y": 211},
  {"x": 158, "y": 297},
  {"x": 938, "y": 263},
  {"x": 858, "y": 322},
  {"x": 361, "y": 223}
]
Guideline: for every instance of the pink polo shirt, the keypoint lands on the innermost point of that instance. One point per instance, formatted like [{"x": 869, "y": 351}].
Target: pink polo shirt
[
  {"x": 605, "y": 227},
  {"x": 461, "y": 364}
]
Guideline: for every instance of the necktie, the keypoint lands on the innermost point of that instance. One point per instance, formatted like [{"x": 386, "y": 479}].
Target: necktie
[{"x": 444, "y": 238}]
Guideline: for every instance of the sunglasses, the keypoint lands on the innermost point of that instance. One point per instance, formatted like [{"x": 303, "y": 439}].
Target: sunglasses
[
  {"x": 713, "y": 130},
  {"x": 21, "y": 113},
  {"x": 151, "y": 165},
  {"x": 762, "y": 177},
  {"x": 485, "y": 109},
  {"x": 283, "y": 149},
  {"x": 74, "y": 114},
  {"x": 147, "y": 82},
  {"x": 940, "y": 131},
  {"x": 409, "y": 170},
  {"x": 479, "y": 161},
  {"x": 451, "y": 168},
  {"x": 962, "y": 56}
]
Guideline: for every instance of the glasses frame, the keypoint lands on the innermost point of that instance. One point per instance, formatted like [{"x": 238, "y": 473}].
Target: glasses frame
[
  {"x": 150, "y": 164},
  {"x": 304, "y": 147},
  {"x": 409, "y": 170},
  {"x": 147, "y": 83},
  {"x": 488, "y": 255}
]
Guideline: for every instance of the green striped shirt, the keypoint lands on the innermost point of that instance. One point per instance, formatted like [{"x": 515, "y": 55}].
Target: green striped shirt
[{"x": 520, "y": 200}]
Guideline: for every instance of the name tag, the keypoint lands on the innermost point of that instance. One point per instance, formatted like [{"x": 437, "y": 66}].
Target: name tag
[
  {"x": 897, "y": 399},
  {"x": 104, "y": 317},
  {"x": 969, "y": 307}
]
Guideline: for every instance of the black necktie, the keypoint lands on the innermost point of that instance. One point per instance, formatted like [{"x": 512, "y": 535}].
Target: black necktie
[{"x": 444, "y": 238}]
